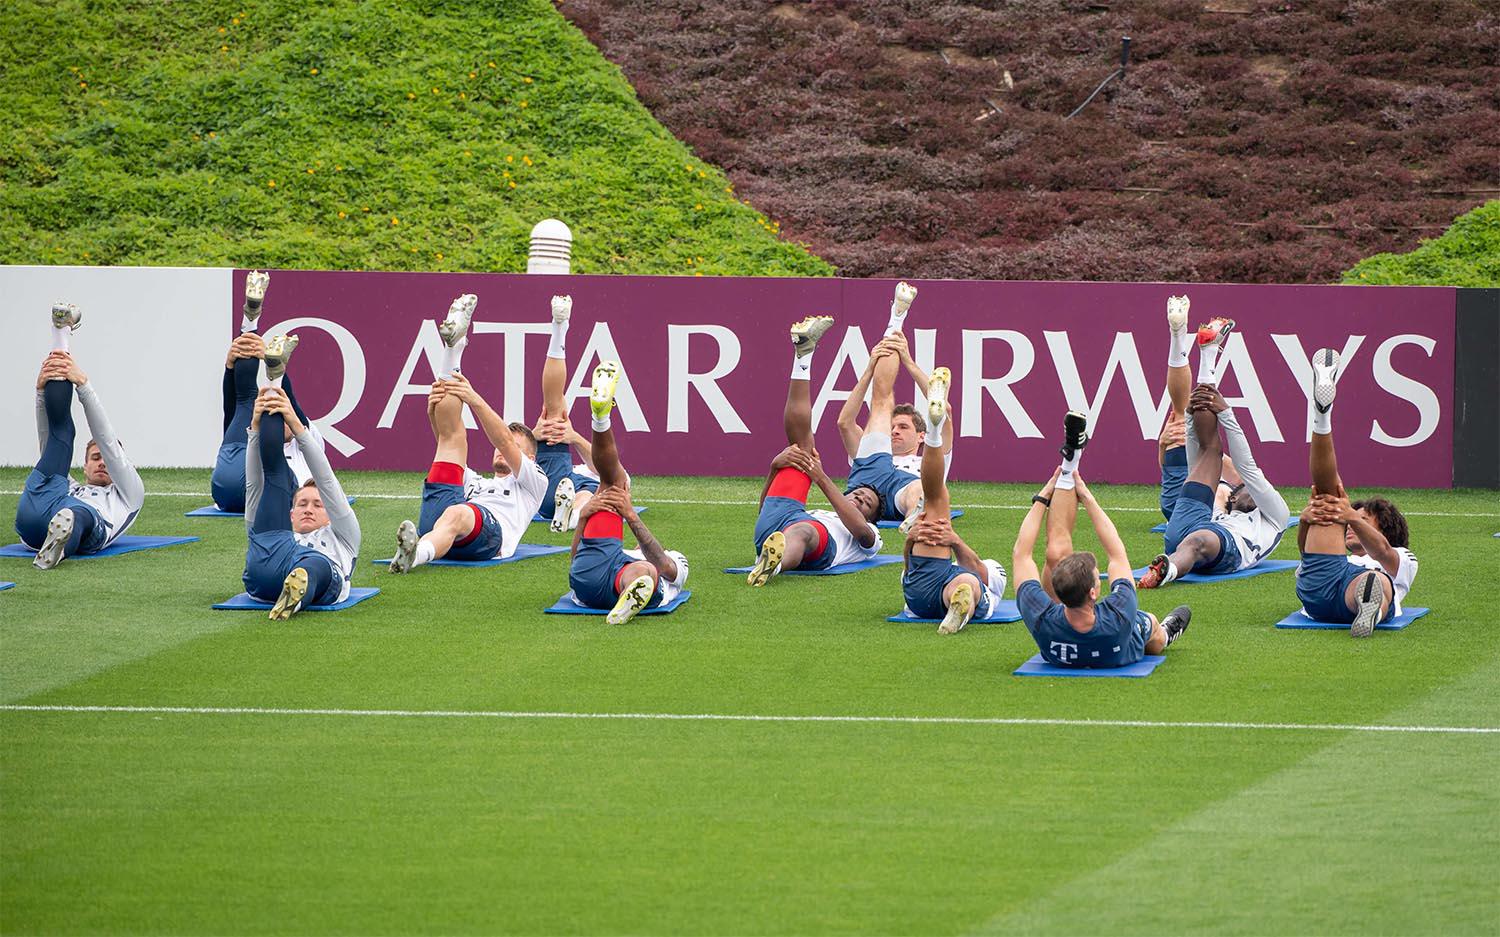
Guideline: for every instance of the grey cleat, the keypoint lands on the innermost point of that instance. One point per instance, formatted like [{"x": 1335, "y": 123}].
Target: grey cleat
[
  {"x": 279, "y": 350},
  {"x": 406, "y": 547},
  {"x": 59, "y": 530}
]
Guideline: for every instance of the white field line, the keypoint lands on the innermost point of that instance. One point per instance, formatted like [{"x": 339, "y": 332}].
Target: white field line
[
  {"x": 736, "y": 717},
  {"x": 648, "y": 500}
]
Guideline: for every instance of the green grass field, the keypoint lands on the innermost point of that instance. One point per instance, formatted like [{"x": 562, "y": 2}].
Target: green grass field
[{"x": 1290, "y": 820}]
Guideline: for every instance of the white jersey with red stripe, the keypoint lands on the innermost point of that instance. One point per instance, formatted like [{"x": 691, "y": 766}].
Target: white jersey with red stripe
[
  {"x": 846, "y": 548},
  {"x": 511, "y": 499}
]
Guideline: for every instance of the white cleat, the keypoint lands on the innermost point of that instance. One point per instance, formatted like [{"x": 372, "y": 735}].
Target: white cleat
[
  {"x": 66, "y": 316},
  {"x": 805, "y": 334},
  {"x": 293, "y": 591},
  {"x": 1177, "y": 313},
  {"x": 455, "y": 327},
  {"x": 960, "y": 610},
  {"x": 768, "y": 563},
  {"x": 1367, "y": 612},
  {"x": 602, "y": 392},
  {"x": 905, "y": 293},
  {"x": 937, "y": 395},
  {"x": 256, "y": 283},
  {"x": 562, "y": 308},
  {"x": 562, "y": 505},
  {"x": 910, "y": 520},
  {"x": 406, "y": 548},
  {"x": 1325, "y": 368},
  {"x": 279, "y": 350},
  {"x": 635, "y": 597},
  {"x": 59, "y": 530}
]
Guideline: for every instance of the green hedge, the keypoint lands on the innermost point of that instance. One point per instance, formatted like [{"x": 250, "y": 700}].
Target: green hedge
[
  {"x": 1467, "y": 254},
  {"x": 390, "y": 135}
]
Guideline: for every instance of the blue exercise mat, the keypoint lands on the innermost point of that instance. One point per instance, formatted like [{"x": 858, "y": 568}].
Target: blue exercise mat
[
  {"x": 880, "y": 559},
  {"x": 1005, "y": 610},
  {"x": 568, "y": 605},
  {"x": 539, "y": 519},
  {"x": 889, "y": 525},
  {"x": 523, "y": 552},
  {"x": 1038, "y": 667},
  {"x": 6, "y": 585},
  {"x": 1259, "y": 569},
  {"x": 245, "y": 603},
  {"x": 213, "y": 511},
  {"x": 1299, "y": 619},
  {"x": 125, "y": 544},
  {"x": 1293, "y": 522}
]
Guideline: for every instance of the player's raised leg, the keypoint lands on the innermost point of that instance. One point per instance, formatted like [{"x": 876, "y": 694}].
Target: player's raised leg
[
  {"x": 1171, "y": 445},
  {"x": 1062, "y": 513},
  {"x": 1191, "y": 545}
]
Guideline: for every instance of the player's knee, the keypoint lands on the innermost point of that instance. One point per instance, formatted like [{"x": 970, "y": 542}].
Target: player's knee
[
  {"x": 639, "y": 568},
  {"x": 1057, "y": 552},
  {"x": 1158, "y": 640},
  {"x": 457, "y": 518}
]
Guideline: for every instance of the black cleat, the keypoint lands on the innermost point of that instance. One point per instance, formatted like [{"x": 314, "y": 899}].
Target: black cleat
[
  {"x": 1176, "y": 623},
  {"x": 1075, "y": 433}
]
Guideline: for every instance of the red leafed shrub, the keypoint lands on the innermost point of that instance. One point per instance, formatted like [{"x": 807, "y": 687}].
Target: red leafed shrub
[{"x": 1276, "y": 142}]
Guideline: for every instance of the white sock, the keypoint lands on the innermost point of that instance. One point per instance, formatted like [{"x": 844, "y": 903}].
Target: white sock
[
  {"x": 1182, "y": 344},
  {"x": 934, "y": 438},
  {"x": 1208, "y": 359},
  {"x": 559, "y": 338},
  {"x": 1069, "y": 466},
  {"x": 60, "y": 338},
  {"x": 1172, "y": 572},
  {"x": 274, "y": 381},
  {"x": 248, "y": 324},
  {"x": 452, "y": 357},
  {"x": 573, "y": 517},
  {"x": 1323, "y": 421},
  {"x": 601, "y": 424},
  {"x": 426, "y": 552},
  {"x": 802, "y": 367}
]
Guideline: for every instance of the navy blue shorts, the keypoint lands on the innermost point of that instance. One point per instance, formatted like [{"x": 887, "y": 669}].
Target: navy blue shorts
[
  {"x": 778, "y": 513},
  {"x": 1174, "y": 472},
  {"x": 556, "y": 459},
  {"x": 43, "y": 496},
  {"x": 596, "y": 565},
  {"x": 879, "y": 472},
  {"x": 925, "y": 579},
  {"x": 1322, "y": 580},
  {"x": 484, "y": 542},
  {"x": 274, "y": 553},
  {"x": 1194, "y": 511}
]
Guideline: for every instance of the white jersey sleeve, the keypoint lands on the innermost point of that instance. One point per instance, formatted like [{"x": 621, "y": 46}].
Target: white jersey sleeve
[
  {"x": 1406, "y": 572},
  {"x": 118, "y": 503},
  {"x": 846, "y": 548},
  {"x": 1254, "y": 533}
]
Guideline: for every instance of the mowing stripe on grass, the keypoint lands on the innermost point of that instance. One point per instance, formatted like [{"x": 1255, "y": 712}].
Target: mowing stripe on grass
[
  {"x": 737, "y": 717},
  {"x": 416, "y": 495}
]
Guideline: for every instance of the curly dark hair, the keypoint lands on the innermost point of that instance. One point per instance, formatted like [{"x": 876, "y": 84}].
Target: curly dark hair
[{"x": 1388, "y": 518}]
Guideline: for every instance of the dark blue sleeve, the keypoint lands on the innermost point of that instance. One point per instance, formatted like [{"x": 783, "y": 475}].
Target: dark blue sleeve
[
  {"x": 1122, "y": 602},
  {"x": 1032, "y": 600}
]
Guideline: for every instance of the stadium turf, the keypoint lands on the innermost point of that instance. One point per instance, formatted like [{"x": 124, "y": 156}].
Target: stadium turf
[{"x": 483, "y": 815}]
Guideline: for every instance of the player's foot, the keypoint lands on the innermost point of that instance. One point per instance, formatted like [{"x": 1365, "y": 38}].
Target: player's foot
[
  {"x": 455, "y": 327},
  {"x": 59, "y": 530},
  {"x": 937, "y": 395},
  {"x": 279, "y": 350},
  {"x": 1325, "y": 369},
  {"x": 1075, "y": 434},
  {"x": 406, "y": 547},
  {"x": 1177, "y": 313},
  {"x": 1176, "y": 623},
  {"x": 256, "y": 282},
  {"x": 805, "y": 334},
  {"x": 66, "y": 316},
  {"x": 562, "y": 505},
  {"x": 914, "y": 515},
  {"x": 635, "y": 597},
  {"x": 1215, "y": 332},
  {"x": 293, "y": 590},
  {"x": 960, "y": 610},
  {"x": 769, "y": 561},
  {"x": 1369, "y": 595},
  {"x": 905, "y": 293},
  {"x": 1158, "y": 574},
  {"x": 602, "y": 395},
  {"x": 562, "y": 307}
]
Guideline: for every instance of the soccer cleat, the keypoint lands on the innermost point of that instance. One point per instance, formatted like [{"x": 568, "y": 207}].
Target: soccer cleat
[
  {"x": 1215, "y": 332},
  {"x": 937, "y": 395},
  {"x": 635, "y": 597},
  {"x": 1075, "y": 434},
  {"x": 279, "y": 350},
  {"x": 805, "y": 334},
  {"x": 1177, "y": 313},
  {"x": 602, "y": 393},
  {"x": 1158, "y": 574},
  {"x": 406, "y": 547},
  {"x": 562, "y": 308},
  {"x": 910, "y": 520},
  {"x": 905, "y": 293},
  {"x": 1325, "y": 369},
  {"x": 59, "y": 531},
  {"x": 1368, "y": 595},
  {"x": 960, "y": 610},
  {"x": 293, "y": 590},
  {"x": 1176, "y": 623},
  {"x": 769, "y": 561},
  {"x": 66, "y": 316},
  {"x": 562, "y": 505},
  {"x": 455, "y": 327},
  {"x": 256, "y": 282}
]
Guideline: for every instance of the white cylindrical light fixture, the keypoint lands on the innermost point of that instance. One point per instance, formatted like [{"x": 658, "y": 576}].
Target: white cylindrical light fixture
[{"x": 551, "y": 248}]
